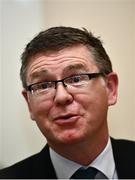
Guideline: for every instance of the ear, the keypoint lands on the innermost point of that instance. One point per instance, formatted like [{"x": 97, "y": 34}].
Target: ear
[
  {"x": 26, "y": 97},
  {"x": 112, "y": 88}
]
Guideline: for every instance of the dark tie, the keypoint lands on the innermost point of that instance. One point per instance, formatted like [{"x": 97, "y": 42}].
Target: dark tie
[{"x": 82, "y": 173}]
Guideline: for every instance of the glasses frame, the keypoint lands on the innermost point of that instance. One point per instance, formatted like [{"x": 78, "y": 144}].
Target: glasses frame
[{"x": 90, "y": 75}]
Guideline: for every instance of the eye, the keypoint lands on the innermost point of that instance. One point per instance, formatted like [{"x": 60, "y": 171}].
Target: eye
[
  {"x": 74, "y": 79},
  {"x": 77, "y": 80},
  {"x": 42, "y": 86}
]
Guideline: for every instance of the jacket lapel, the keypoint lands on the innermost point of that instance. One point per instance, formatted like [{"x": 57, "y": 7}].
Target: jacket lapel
[{"x": 45, "y": 167}]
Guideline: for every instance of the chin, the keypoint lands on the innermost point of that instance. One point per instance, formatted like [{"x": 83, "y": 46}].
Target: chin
[{"x": 71, "y": 139}]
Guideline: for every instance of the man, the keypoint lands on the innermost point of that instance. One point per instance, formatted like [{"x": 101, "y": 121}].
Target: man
[{"x": 68, "y": 84}]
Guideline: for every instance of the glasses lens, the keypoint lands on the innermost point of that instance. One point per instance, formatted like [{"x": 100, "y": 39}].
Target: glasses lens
[
  {"x": 74, "y": 84},
  {"x": 77, "y": 80},
  {"x": 43, "y": 88}
]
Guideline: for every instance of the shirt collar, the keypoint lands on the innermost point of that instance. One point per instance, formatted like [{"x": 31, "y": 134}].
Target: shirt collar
[{"x": 65, "y": 168}]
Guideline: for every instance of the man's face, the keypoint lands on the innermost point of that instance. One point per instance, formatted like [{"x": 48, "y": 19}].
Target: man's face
[{"x": 69, "y": 117}]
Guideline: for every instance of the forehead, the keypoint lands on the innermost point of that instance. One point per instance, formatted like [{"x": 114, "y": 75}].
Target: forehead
[{"x": 62, "y": 62}]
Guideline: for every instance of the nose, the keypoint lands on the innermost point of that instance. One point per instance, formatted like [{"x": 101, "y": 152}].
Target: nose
[{"x": 62, "y": 96}]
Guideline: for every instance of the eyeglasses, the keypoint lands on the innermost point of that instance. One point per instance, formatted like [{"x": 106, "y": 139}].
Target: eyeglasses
[{"x": 72, "y": 83}]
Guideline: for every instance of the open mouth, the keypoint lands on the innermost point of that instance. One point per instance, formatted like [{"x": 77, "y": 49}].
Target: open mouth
[{"x": 66, "y": 119}]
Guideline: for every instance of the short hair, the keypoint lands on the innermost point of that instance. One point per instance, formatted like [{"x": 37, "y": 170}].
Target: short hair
[{"x": 58, "y": 38}]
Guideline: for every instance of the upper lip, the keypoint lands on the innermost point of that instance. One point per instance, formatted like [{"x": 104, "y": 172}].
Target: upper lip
[{"x": 64, "y": 116}]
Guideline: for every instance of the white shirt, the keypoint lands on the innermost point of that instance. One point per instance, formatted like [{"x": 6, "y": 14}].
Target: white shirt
[{"x": 65, "y": 168}]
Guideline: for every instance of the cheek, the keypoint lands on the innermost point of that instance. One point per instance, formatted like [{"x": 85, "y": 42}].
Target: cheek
[
  {"x": 40, "y": 110},
  {"x": 94, "y": 101}
]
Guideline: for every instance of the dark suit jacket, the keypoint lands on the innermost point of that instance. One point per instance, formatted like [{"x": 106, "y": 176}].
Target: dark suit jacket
[{"x": 39, "y": 166}]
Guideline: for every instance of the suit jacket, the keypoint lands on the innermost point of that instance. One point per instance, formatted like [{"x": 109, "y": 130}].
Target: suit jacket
[{"x": 39, "y": 166}]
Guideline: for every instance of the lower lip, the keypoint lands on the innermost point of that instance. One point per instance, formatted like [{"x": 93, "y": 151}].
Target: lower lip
[{"x": 69, "y": 121}]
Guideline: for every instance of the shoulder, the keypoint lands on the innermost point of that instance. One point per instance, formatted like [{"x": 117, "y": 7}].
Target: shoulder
[
  {"x": 121, "y": 147},
  {"x": 36, "y": 166},
  {"x": 123, "y": 151},
  {"x": 19, "y": 169},
  {"x": 123, "y": 143}
]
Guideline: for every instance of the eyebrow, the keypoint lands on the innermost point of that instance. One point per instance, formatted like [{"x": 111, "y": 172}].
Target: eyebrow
[
  {"x": 68, "y": 69},
  {"x": 40, "y": 73},
  {"x": 75, "y": 67}
]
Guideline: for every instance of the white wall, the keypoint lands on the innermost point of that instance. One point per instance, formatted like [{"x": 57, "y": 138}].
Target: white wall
[
  {"x": 21, "y": 20},
  {"x": 113, "y": 20}
]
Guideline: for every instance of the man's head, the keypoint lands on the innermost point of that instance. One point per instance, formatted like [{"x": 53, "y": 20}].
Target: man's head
[
  {"x": 58, "y": 38},
  {"x": 68, "y": 85}
]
